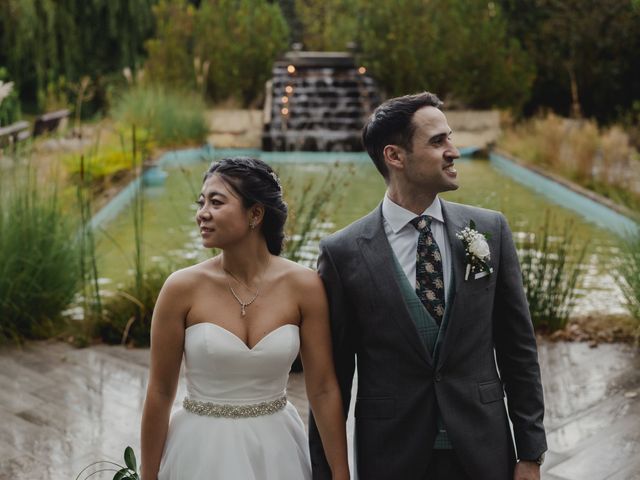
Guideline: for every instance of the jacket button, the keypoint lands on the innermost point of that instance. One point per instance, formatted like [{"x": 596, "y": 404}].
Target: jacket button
[{"x": 438, "y": 377}]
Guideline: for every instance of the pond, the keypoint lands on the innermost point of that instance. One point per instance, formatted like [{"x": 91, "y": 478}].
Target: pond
[{"x": 169, "y": 232}]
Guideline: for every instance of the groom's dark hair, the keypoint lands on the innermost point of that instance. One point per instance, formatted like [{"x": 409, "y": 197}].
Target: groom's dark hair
[{"x": 392, "y": 124}]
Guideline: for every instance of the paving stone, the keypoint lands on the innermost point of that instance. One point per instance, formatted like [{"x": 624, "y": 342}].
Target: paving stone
[
  {"x": 62, "y": 408},
  {"x": 612, "y": 450},
  {"x": 582, "y": 427}
]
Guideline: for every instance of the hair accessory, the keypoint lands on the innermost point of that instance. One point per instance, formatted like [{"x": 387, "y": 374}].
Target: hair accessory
[{"x": 276, "y": 179}]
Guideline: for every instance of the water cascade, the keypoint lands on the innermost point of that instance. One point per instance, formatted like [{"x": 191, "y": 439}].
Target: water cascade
[{"x": 317, "y": 101}]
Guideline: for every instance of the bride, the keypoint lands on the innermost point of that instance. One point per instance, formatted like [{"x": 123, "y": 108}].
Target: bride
[{"x": 239, "y": 320}]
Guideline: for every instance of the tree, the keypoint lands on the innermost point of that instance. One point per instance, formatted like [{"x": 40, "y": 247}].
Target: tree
[
  {"x": 241, "y": 39},
  {"x": 327, "y": 25},
  {"x": 171, "y": 50},
  {"x": 582, "y": 51},
  {"x": 456, "y": 48},
  {"x": 44, "y": 40}
]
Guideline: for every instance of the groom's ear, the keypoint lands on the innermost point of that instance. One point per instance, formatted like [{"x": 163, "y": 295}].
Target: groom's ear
[{"x": 394, "y": 157}]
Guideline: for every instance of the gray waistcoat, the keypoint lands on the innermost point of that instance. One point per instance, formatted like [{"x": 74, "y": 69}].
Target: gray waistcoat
[{"x": 430, "y": 333}]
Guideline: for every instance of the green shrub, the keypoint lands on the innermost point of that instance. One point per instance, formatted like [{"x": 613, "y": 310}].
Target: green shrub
[
  {"x": 551, "y": 269},
  {"x": 170, "y": 117},
  {"x": 38, "y": 261}
]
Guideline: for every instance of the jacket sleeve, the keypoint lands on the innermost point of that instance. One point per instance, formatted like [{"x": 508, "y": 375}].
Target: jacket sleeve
[
  {"x": 516, "y": 352},
  {"x": 343, "y": 354}
]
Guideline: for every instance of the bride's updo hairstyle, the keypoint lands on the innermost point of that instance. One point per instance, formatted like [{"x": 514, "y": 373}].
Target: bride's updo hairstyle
[{"x": 256, "y": 182}]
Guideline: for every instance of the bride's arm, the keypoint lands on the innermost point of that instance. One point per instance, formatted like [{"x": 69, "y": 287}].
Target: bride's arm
[
  {"x": 320, "y": 378},
  {"x": 167, "y": 343}
]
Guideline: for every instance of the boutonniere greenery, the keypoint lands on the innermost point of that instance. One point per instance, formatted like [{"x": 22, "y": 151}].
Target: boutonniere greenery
[
  {"x": 128, "y": 471},
  {"x": 476, "y": 249}
]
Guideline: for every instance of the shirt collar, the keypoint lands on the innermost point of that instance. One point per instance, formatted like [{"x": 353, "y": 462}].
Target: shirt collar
[{"x": 398, "y": 217}]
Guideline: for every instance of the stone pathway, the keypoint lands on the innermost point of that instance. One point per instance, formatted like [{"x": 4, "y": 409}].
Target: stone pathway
[{"x": 62, "y": 408}]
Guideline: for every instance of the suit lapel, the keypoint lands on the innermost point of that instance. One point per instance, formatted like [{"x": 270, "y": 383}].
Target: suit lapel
[
  {"x": 454, "y": 223},
  {"x": 378, "y": 256}
]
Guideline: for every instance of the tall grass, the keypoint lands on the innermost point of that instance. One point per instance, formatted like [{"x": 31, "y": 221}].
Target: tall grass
[
  {"x": 171, "y": 117},
  {"x": 90, "y": 289},
  {"x": 39, "y": 258},
  {"x": 628, "y": 277},
  {"x": 551, "y": 270}
]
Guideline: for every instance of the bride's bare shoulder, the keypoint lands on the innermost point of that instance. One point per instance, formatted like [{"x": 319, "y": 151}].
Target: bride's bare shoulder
[
  {"x": 185, "y": 279},
  {"x": 299, "y": 275}
]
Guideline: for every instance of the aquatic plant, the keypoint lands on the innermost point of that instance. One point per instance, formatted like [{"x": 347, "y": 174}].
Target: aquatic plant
[{"x": 551, "y": 270}]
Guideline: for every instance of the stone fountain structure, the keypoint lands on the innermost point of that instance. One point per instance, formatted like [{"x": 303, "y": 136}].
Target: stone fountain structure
[{"x": 317, "y": 101}]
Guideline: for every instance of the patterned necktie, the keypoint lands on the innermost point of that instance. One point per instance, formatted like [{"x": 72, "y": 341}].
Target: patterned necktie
[{"x": 429, "y": 277}]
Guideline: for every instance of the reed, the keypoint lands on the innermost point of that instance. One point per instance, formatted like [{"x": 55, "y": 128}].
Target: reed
[
  {"x": 90, "y": 296},
  {"x": 130, "y": 309},
  {"x": 551, "y": 270},
  {"x": 310, "y": 207},
  {"x": 628, "y": 276}
]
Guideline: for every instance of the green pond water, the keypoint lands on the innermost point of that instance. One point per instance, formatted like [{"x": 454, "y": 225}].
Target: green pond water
[{"x": 170, "y": 232}]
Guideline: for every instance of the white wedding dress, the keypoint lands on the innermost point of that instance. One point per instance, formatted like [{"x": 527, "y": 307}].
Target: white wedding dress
[{"x": 222, "y": 370}]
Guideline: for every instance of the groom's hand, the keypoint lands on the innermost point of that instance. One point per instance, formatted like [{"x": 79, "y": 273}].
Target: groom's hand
[{"x": 526, "y": 470}]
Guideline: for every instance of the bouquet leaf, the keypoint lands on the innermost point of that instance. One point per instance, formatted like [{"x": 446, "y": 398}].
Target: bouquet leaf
[
  {"x": 130, "y": 458},
  {"x": 122, "y": 474}
]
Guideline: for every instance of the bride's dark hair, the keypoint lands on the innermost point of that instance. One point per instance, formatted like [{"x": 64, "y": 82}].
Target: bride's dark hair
[{"x": 256, "y": 182}]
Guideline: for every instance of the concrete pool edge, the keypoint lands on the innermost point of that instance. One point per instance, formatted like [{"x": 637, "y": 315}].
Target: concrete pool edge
[
  {"x": 589, "y": 205},
  {"x": 592, "y": 207}
]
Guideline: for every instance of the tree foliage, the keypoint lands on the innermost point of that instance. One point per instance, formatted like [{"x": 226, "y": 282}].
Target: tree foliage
[
  {"x": 45, "y": 40},
  {"x": 327, "y": 25},
  {"x": 9, "y": 103},
  {"x": 583, "y": 51},
  {"x": 170, "y": 51},
  {"x": 237, "y": 40},
  {"x": 456, "y": 48}
]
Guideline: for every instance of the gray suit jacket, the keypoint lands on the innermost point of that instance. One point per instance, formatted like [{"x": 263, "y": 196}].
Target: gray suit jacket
[{"x": 399, "y": 384}]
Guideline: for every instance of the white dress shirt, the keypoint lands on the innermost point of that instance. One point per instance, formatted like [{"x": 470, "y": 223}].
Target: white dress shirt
[{"x": 403, "y": 237}]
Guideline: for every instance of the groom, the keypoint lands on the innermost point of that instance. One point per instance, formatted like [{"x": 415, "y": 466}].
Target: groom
[{"x": 437, "y": 320}]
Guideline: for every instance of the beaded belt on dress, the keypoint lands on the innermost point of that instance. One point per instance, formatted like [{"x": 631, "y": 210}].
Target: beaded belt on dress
[{"x": 234, "y": 411}]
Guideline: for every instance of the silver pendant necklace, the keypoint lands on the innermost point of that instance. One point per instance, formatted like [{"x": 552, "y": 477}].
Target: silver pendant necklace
[{"x": 244, "y": 305}]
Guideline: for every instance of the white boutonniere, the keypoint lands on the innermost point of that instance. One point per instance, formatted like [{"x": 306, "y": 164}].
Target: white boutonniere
[{"x": 477, "y": 253}]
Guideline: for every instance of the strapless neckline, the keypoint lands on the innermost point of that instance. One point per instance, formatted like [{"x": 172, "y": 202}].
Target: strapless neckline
[{"x": 238, "y": 339}]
